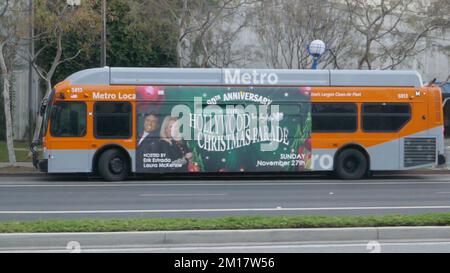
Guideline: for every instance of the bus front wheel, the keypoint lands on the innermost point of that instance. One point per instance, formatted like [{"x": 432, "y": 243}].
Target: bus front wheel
[
  {"x": 113, "y": 165},
  {"x": 351, "y": 164}
]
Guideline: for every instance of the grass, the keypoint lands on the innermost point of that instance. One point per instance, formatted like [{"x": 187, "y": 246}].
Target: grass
[
  {"x": 21, "y": 155},
  {"x": 231, "y": 223}
]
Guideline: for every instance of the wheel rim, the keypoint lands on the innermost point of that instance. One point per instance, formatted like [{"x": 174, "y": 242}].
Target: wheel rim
[
  {"x": 351, "y": 164},
  {"x": 116, "y": 165}
]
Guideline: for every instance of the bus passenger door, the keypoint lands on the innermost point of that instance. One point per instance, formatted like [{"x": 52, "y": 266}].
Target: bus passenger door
[{"x": 67, "y": 146}]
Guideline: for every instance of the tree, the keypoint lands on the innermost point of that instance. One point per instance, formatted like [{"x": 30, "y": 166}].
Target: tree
[
  {"x": 205, "y": 29},
  {"x": 54, "y": 20},
  {"x": 286, "y": 27},
  {"x": 10, "y": 33},
  {"x": 388, "y": 31},
  {"x": 3, "y": 8},
  {"x": 135, "y": 38},
  {"x": 216, "y": 27},
  {"x": 140, "y": 35},
  {"x": 438, "y": 12}
]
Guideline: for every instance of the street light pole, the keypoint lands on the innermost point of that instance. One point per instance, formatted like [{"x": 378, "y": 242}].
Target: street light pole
[
  {"x": 31, "y": 101},
  {"x": 315, "y": 62},
  {"x": 103, "y": 53}
]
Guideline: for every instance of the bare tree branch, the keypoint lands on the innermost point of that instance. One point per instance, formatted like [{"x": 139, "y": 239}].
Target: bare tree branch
[
  {"x": 5, "y": 8},
  {"x": 445, "y": 82},
  {"x": 71, "y": 58}
]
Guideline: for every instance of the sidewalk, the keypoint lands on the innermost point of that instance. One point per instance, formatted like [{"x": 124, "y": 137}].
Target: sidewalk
[
  {"x": 130, "y": 240},
  {"x": 20, "y": 169},
  {"x": 18, "y": 164}
]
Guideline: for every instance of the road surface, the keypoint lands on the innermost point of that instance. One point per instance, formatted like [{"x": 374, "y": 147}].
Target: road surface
[{"x": 72, "y": 197}]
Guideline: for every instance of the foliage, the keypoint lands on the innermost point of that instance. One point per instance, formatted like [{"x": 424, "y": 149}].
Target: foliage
[
  {"x": 155, "y": 33},
  {"x": 77, "y": 27},
  {"x": 138, "y": 39},
  {"x": 133, "y": 39}
]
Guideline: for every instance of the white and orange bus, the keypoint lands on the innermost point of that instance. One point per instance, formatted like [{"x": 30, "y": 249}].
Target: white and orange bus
[{"x": 120, "y": 121}]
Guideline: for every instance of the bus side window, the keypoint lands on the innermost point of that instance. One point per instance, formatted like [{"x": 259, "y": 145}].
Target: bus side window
[
  {"x": 334, "y": 117},
  {"x": 112, "y": 120},
  {"x": 385, "y": 117},
  {"x": 68, "y": 119}
]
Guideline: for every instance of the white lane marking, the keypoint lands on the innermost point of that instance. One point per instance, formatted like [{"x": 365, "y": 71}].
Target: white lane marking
[
  {"x": 181, "y": 194},
  {"x": 213, "y": 210}
]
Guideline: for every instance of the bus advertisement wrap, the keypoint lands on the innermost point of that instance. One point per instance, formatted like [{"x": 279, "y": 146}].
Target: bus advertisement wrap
[{"x": 223, "y": 129}]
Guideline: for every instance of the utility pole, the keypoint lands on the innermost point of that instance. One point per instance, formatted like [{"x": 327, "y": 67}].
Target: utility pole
[
  {"x": 103, "y": 53},
  {"x": 32, "y": 109}
]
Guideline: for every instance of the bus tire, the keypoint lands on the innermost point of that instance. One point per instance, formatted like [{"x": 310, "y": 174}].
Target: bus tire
[
  {"x": 113, "y": 165},
  {"x": 351, "y": 164}
]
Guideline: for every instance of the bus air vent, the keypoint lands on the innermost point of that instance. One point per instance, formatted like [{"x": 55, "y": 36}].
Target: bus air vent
[{"x": 419, "y": 151}]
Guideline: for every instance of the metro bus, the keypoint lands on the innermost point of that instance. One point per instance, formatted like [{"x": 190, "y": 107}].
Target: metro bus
[{"x": 122, "y": 121}]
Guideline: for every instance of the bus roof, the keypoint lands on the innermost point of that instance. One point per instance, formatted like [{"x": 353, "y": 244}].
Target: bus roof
[{"x": 229, "y": 76}]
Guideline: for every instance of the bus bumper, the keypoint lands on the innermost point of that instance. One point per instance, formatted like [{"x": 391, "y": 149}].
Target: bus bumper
[
  {"x": 441, "y": 159},
  {"x": 42, "y": 165}
]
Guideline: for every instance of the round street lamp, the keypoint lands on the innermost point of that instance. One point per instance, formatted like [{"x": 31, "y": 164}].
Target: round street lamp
[{"x": 316, "y": 49}]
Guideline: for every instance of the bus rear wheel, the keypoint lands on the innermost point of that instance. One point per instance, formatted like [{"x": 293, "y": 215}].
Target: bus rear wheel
[
  {"x": 113, "y": 165},
  {"x": 351, "y": 164}
]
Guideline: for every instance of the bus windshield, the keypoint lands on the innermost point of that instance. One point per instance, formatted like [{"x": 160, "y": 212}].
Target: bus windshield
[{"x": 68, "y": 119}]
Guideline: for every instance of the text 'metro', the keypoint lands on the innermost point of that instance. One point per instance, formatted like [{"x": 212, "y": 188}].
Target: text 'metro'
[{"x": 236, "y": 76}]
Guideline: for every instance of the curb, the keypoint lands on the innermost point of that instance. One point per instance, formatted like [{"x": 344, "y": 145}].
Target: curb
[
  {"x": 18, "y": 164},
  {"x": 136, "y": 239},
  {"x": 430, "y": 172},
  {"x": 37, "y": 174}
]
